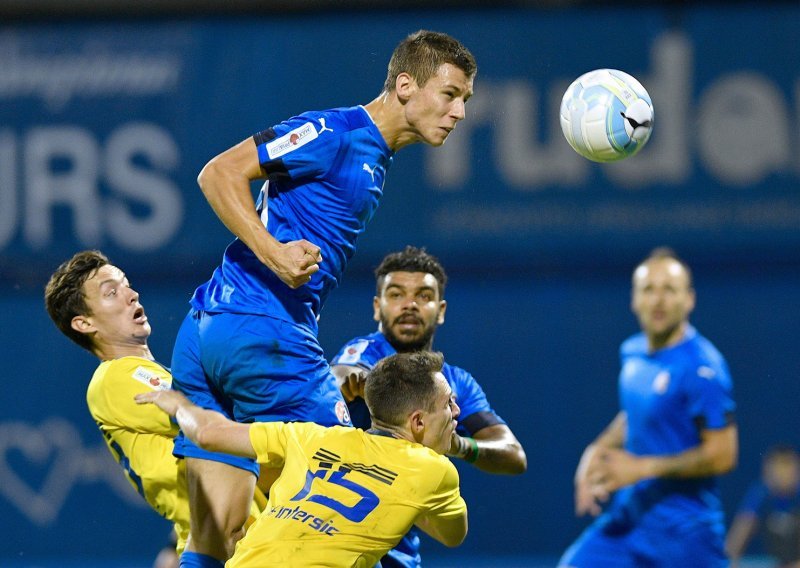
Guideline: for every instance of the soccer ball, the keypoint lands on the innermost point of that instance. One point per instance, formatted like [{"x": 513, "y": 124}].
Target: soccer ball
[{"x": 606, "y": 115}]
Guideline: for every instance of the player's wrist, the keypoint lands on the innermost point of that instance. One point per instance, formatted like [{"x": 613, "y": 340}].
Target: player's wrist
[
  {"x": 467, "y": 450},
  {"x": 462, "y": 447}
]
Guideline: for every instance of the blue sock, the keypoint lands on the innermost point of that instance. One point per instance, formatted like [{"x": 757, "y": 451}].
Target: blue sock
[{"x": 197, "y": 560}]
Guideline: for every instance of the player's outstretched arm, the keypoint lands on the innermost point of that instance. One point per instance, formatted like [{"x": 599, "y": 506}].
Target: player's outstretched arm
[
  {"x": 208, "y": 429},
  {"x": 225, "y": 182},
  {"x": 450, "y": 531}
]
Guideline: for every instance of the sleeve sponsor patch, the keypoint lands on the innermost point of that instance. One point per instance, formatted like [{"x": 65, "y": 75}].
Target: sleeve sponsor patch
[
  {"x": 151, "y": 379},
  {"x": 291, "y": 141},
  {"x": 352, "y": 353}
]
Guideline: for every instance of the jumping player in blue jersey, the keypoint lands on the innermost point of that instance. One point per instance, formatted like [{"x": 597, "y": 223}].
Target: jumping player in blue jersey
[
  {"x": 248, "y": 347},
  {"x": 409, "y": 305},
  {"x": 661, "y": 456}
]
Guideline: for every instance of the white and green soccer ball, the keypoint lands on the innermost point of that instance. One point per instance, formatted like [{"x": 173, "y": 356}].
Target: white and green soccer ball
[{"x": 606, "y": 115}]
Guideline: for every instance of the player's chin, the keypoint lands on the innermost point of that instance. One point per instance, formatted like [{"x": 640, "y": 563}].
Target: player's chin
[{"x": 438, "y": 138}]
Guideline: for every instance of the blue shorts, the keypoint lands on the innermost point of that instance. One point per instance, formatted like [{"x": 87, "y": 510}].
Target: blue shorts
[
  {"x": 253, "y": 368},
  {"x": 681, "y": 545},
  {"x": 405, "y": 553}
]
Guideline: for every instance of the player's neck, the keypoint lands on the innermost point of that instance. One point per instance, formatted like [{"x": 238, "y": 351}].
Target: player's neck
[
  {"x": 111, "y": 352},
  {"x": 669, "y": 339},
  {"x": 382, "y": 429},
  {"x": 387, "y": 114}
]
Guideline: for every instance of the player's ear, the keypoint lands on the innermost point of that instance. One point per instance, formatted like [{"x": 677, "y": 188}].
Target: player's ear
[
  {"x": 442, "y": 310},
  {"x": 690, "y": 303},
  {"x": 404, "y": 86},
  {"x": 81, "y": 324},
  {"x": 376, "y": 308},
  {"x": 416, "y": 423}
]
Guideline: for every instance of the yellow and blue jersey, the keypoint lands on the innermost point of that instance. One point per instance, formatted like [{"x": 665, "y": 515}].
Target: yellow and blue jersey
[
  {"x": 140, "y": 437},
  {"x": 345, "y": 496},
  {"x": 476, "y": 413}
]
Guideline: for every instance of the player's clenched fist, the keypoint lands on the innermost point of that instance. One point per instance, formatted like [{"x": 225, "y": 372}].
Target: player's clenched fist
[{"x": 295, "y": 262}]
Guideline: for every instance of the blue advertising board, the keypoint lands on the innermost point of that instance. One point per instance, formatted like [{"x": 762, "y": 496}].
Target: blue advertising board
[{"x": 104, "y": 127}]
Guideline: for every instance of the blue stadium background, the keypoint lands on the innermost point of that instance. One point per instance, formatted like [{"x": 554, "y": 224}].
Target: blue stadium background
[{"x": 104, "y": 124}]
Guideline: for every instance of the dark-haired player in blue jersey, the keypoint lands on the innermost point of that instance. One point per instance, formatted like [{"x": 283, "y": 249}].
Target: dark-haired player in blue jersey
[
  {"x": 248, "y": 347},
  {"x": 409, "y": 305},
  {"x": 661, "y": 456}
]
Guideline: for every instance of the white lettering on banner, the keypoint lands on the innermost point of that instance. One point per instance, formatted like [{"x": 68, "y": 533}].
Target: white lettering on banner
[
  {"x": 740, "y": 129},
  {"x": 97, "y": 69},
  {"x": 65, "y": 166},
  {"x": 55, "y": 449}
]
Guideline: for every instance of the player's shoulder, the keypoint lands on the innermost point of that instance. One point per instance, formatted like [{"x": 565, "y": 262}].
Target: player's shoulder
[
  {"x": 704, "y": 359},
  {"x": 457, "y": 376},
  {"x": 634, "y": 345},
  {"x": 132, "y": 371},
  {"x": 337, "y": 120},
  {"x": 364, "y": 351}
]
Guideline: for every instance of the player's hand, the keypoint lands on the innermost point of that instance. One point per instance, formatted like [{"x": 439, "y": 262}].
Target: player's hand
[
  {"x": 586, "y": 503},
  {"x": 167, "y": 400},
  {"x": 295, "y": 262},
  {"x": 353, "y": 386},
  {"x": 613, "y": 469}
]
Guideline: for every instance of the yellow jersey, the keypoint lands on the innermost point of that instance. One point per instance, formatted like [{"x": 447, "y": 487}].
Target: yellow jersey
[
  {"x": 140, "y": 436},
  {"x": 345, "y": 496}
]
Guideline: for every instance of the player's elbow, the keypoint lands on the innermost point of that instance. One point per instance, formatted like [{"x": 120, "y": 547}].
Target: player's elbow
[
  {"x": 519, "y": 464},
  {"x": 209, "y": 172},
  {"x": 728, "y": 462},
  {"x": 454, "y": 538}
]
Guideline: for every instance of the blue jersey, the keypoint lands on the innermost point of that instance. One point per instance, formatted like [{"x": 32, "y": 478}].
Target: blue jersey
[
  {"x": 325, "y": 176},
  {"x": 365, "y": 352},
  {"x": 476, "y": 414},
  {"x": 669, "y": 396}
]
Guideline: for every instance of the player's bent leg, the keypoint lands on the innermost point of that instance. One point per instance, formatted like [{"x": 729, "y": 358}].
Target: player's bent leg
[{"x": 220, "y": 497}]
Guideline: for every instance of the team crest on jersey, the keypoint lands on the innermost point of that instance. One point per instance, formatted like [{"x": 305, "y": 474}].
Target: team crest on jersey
[
  {"x": 151, "y": 379},
  {"x": 661, "y": 382},
  {"x": 353, "y": 353},
  {"x": 706, "y": 372},
  {"x": 342, "y": 414},
  {"x": 292, "y": 140}
]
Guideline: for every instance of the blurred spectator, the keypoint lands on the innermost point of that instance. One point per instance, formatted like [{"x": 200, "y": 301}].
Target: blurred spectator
[{"x": 771, "y": 507}]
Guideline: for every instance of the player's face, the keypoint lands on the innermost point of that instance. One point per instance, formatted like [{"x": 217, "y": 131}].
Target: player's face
[
  {"x": 434, "y": 109},
  {"x": 409, "y": 310},
  {"x": 117, "y": 317},
  {"x": 441, "y": 421},
  {"x": 662, "y": 300}
]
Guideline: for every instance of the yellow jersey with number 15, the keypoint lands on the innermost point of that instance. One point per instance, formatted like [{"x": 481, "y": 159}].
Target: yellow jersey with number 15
[{"x": 345, "y": 496}]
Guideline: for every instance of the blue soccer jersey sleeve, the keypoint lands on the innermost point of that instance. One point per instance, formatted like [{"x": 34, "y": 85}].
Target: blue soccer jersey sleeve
[
  {"x": 325, "y": 174},
  {"x": 476, "y": 412},
  {"x": 709, "y": 387}
]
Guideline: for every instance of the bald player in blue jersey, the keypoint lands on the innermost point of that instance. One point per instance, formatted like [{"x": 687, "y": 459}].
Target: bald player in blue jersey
[
  {"x": 661, "y": 456},
  {"x": 409, "y": 305},
  {"x": 248, "y": 347}
]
